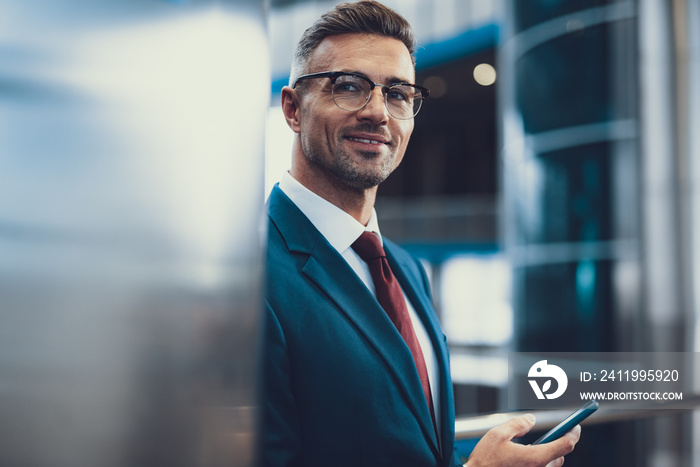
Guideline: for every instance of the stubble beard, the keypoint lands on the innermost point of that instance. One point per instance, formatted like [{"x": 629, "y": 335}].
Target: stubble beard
[{"x": 347, "y": 171}]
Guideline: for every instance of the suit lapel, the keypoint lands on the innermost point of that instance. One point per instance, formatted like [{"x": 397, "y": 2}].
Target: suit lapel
[
  {"x": 331, "y": 273},
  {"x": 414, "y": 290}
]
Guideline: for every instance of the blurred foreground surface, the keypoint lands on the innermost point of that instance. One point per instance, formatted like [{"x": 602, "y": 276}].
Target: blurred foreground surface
[{"x": 131, "y": 142}]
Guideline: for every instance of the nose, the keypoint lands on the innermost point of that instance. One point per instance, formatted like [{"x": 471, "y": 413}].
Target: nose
[{"x": 375, "y": 110}]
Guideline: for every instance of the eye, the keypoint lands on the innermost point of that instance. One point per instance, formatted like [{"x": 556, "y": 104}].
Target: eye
[
  {"x": 399, "y": 94},
  {"x": 349, "y": 85}
]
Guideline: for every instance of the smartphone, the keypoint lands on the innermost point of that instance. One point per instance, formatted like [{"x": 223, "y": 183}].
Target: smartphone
[{"x": 569, "y": 422}]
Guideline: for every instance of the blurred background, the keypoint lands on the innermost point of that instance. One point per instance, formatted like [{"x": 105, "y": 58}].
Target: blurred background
[{"x": 551, "y": 187}]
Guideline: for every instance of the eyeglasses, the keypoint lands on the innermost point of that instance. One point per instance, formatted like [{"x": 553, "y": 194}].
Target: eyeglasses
[{"x": 351, "y": 92}]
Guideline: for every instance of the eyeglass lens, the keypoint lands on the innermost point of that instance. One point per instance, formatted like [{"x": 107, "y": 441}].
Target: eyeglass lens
[{"x": 352, "y": 93}]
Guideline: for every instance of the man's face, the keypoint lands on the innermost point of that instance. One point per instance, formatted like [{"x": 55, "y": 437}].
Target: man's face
[{"x": 359, "y": 148}]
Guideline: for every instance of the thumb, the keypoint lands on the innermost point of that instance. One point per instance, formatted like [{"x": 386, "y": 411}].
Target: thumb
[{"x": 518, "y": 426}]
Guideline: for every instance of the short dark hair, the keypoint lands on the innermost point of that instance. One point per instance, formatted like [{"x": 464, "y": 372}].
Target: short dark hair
[{"x": 364, "y": 17}]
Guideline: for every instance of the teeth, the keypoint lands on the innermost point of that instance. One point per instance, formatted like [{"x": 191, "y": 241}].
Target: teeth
[{"x": 362, "y": 140}]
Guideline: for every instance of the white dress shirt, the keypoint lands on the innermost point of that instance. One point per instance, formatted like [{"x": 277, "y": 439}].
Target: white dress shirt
[{"x": 341, "y": 230}]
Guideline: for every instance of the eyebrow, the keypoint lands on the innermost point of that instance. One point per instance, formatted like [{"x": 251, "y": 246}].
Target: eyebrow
[{"x": 390, "y": 80}]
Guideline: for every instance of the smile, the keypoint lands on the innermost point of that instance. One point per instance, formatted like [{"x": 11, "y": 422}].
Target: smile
[{"x": 365, "y": 140}]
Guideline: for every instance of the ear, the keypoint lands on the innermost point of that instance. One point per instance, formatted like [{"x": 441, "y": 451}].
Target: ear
[{"x": 291, "y": 108}]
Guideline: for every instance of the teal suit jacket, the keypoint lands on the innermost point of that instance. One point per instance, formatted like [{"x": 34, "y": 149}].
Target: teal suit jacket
[{"x": 339, "y": 384}]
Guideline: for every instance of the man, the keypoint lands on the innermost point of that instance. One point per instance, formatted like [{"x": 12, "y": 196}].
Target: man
[{"x": 356, "y": 369}]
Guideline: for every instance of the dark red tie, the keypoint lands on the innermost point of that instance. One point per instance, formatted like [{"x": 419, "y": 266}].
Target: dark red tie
[{"x": 391, "y": 298}]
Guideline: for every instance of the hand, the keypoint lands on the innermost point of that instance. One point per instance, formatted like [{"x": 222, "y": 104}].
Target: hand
[{"x": 496, "y": 448}]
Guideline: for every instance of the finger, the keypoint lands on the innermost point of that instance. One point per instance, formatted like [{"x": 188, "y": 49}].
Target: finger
[
  {"x": 558, "y": 462},
  {"x": 516, "y": 426},
  {"x": 565, "y": 444}
]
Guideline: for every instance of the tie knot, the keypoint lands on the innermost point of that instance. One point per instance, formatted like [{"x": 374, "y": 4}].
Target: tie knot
[{"x": 368, "y": 247}]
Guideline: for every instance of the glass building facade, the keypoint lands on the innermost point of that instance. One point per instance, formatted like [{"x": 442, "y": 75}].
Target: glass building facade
[{"x": 596, "y": 160}]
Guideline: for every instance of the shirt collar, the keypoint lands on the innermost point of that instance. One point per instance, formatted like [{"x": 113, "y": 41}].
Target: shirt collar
[{"x": 337, "y": 226}]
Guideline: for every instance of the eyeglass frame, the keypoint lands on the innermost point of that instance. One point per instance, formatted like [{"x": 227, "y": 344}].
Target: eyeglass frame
[{"x": 333, "y": 75}]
